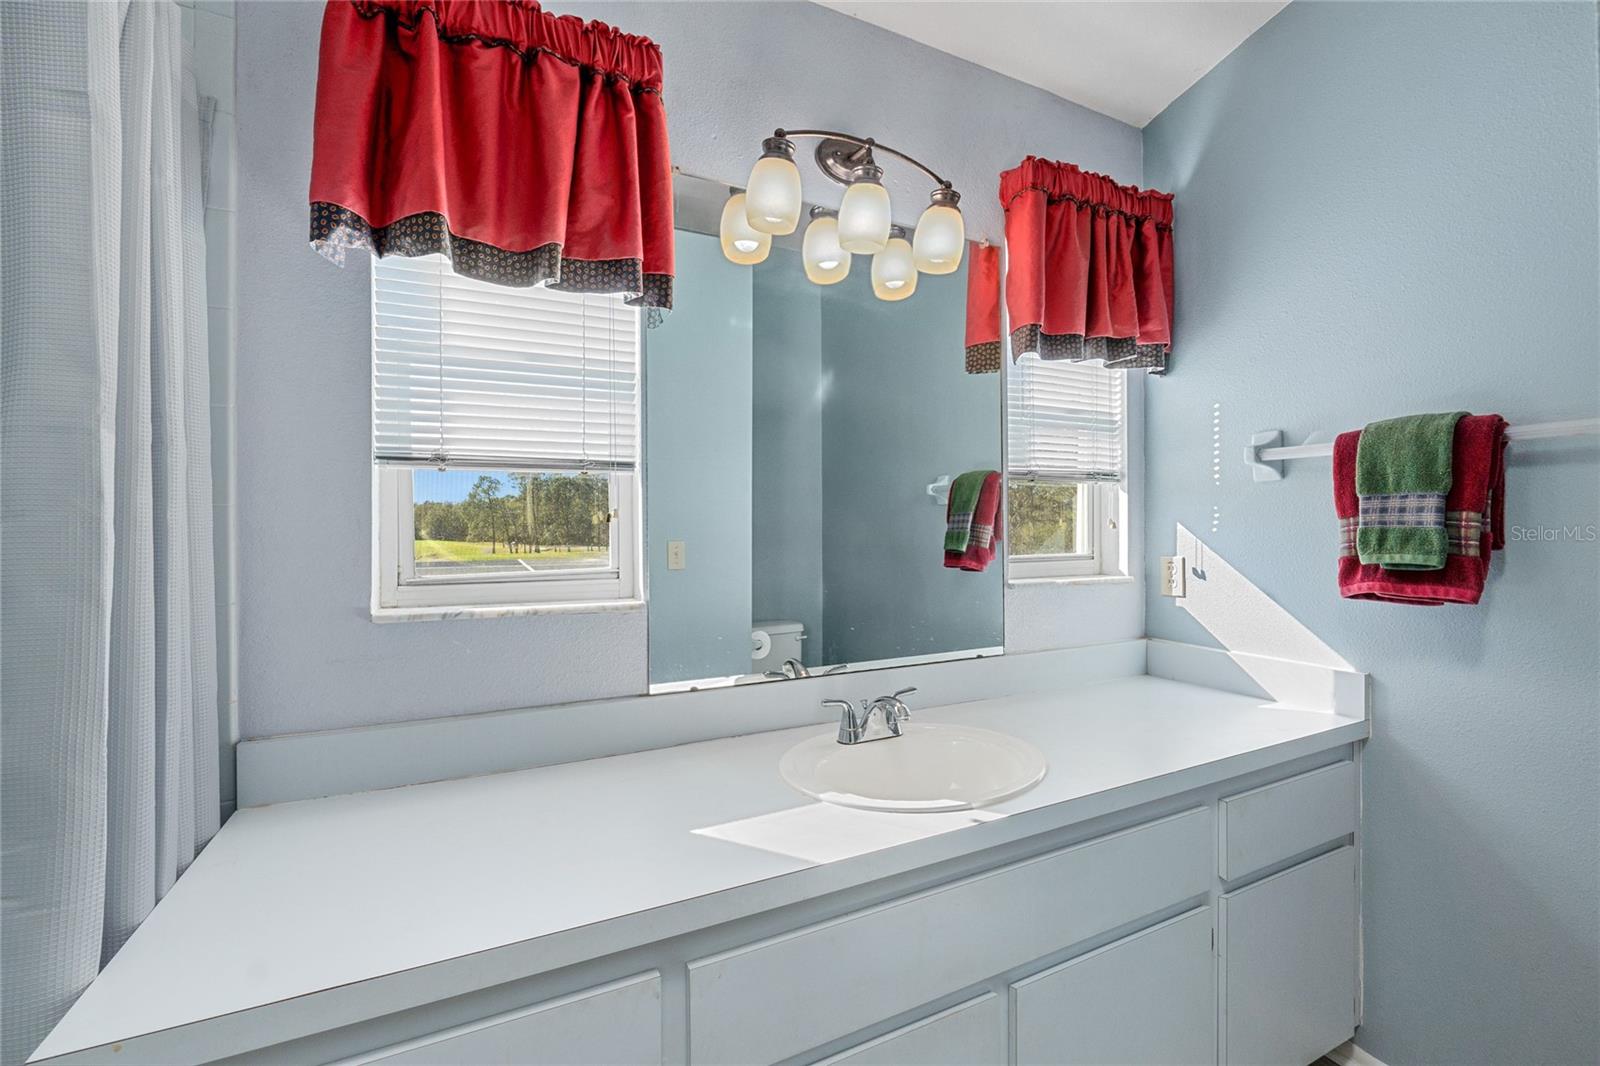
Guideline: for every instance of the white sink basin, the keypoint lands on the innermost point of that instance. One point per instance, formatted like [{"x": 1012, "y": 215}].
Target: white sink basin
[{"x": 929, "y": 767}]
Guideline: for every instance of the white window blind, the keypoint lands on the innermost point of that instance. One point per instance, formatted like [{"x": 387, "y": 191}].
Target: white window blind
[
  {"x": 469, "y": 374},
  {"x": 1063, "y": 421}
]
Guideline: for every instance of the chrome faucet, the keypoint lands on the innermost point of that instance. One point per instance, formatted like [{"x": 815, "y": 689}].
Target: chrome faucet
[
  {"x": 855, "y": 721},
  {"x": 794, "y": 668}
]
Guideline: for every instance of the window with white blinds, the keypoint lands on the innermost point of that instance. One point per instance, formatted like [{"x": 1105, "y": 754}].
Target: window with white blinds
[
  {"x": 468, "y": 374},
  {"x": 1063, "y": 421}
]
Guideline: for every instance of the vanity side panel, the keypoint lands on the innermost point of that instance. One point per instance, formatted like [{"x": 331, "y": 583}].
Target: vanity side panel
[{"x": 782, "y": 996}]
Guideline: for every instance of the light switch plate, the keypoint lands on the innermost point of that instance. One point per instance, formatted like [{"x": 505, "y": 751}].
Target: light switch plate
[
  {"x": 1172, "y": 575},
  {"x": 675, "y": 555}
]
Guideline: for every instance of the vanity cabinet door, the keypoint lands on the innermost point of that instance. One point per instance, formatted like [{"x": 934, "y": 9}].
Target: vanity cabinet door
[
  {"x": 969, "y": 1034},
  {"x": 1147, "y": 998},
  {"x": 1289, "y": 963},
  {"x": 611, "y": 1024}
]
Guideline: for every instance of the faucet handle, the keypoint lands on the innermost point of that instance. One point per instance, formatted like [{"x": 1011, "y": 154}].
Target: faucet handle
[
  {"x": 894, "y": 709},
  {"x": 850, "y": 726}
]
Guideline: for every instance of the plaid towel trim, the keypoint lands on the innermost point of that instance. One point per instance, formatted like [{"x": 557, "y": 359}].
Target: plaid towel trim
[
  {"x": 982, "y": 534},
  {"x": 1463, "y": 531},
  {"x": 1402, "y": 509}
]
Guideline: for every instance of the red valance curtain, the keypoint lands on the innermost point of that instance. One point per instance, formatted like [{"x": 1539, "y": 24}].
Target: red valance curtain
[
  {"x": 1089, "y": 266},
  {"x": 525, "y": 146}
]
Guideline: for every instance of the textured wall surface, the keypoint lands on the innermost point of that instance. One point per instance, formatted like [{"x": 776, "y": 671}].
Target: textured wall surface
[
  {"x": 697, "y": 483},
  {"x": 1388, "y": 208},
  {"x": 309, "y": 657}
]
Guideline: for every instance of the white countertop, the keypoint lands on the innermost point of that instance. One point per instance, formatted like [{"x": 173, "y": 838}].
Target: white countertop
[{"x": 299, "y": 897}]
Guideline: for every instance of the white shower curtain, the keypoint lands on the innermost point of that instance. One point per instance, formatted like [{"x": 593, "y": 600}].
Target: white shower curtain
[{"x": 108, "y": 744}]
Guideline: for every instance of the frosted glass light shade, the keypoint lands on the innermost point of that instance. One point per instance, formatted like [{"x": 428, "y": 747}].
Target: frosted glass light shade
[
  {"x": 940, "y": 239},
  {"x": 894, "y": 271},
  {"x": 740, "y": 243},
  {"x": 772, "y": 196},
  {"x": 864, "y": 218},
  {"x": 826, "y": 262}
]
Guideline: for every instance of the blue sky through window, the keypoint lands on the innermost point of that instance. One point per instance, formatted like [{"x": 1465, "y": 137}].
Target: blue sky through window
[{"x": 451, "y": 486}]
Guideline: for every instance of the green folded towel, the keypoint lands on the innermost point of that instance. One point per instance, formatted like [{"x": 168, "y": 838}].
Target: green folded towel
[
  {"x": 1403, "y": 474},
  {"x": 958, "y": 513}
]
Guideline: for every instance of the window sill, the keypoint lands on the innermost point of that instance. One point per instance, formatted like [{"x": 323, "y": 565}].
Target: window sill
[
  {"x": 1080, "y": 579},
  {"x": 499, "y": 610}
]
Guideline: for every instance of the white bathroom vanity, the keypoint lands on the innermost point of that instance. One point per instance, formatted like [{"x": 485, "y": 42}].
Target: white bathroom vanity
[{"x": 1182, "y": 886}]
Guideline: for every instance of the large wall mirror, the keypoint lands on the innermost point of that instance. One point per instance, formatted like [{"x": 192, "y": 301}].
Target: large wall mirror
[{"x": 791, "y": 433}]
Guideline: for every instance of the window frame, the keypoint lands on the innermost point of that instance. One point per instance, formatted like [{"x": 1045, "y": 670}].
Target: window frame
[
  {"x": 1100, "y": 506},
  {"x": 397, "y": 592},
  {"x": 396, "y": 587},
  {"x": 1102, "y": 519}
]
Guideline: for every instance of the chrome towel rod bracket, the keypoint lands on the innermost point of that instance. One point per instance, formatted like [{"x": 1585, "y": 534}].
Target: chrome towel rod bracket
[{"x": 1266, "y": 453}]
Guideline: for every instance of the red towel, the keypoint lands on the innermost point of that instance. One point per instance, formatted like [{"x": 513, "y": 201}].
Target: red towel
[
  {"x": 985, "y": 529},
  {"x": 1475, "y": 520}
]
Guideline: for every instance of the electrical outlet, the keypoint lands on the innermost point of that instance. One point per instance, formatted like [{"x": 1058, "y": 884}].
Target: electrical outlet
[
  {"x": 675, "y": 555},
  {"x": 1172, "y": 573}
]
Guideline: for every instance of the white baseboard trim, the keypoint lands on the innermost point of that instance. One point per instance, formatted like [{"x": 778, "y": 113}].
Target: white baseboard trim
[{"x": 1347, "y": 1054}]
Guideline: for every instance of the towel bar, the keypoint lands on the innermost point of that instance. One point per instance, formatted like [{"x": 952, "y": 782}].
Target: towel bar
[
  {"x": 1266, "y": 452},
  {"x": 940, "y": 490}
]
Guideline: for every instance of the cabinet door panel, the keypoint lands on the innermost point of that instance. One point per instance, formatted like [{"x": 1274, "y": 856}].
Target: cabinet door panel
[
  {"x": 619, "y": 1023},
  {"x": 969, "y": 1034},
  {"x": 1289, "y": 963},
  {"x": 1149, "y": 998}
]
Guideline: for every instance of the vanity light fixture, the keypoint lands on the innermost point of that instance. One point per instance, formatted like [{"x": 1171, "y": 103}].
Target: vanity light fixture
[
  {"x": 940, "y": 237},
  {"x": 894, "y": 270},
  {"x": 771, "y": 205},
  {"x": 740, "y": 243},
  {"x": 864, "y": 212},
  {"x": 772, "y": 197},
  {"x": 826, "y": 262}
]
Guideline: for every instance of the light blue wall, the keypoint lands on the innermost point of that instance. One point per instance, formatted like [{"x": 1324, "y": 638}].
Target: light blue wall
[
  {"x": 1386, "y": 208},
  {"x": 697, "y": 469},
  {"x": 309, "y": 656},
  {"x": 787, "y": 448},
  {"x": 900, "y": 410}
]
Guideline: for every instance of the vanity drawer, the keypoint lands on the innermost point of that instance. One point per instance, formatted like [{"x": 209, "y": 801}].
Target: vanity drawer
[
  {"x": 778, "y": 997},
  {"x": 615, "y": 1023},
  {"x": 1275, "y": 821},
  {"x": 969, "y": 1034}
]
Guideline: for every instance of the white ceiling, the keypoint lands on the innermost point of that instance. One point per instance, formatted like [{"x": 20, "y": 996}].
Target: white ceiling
[{"x": 1125, "y": 58}]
